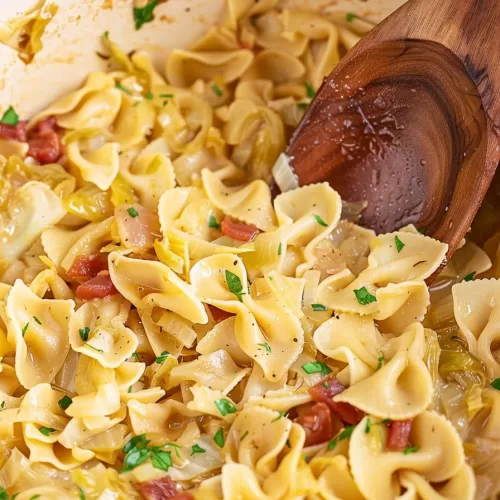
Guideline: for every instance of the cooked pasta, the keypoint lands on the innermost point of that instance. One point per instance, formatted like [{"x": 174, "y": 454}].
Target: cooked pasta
[{"x": 170, "y": 329}]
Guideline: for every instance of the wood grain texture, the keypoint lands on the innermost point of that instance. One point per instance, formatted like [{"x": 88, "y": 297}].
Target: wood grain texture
[{"x": 410, "y": 119}]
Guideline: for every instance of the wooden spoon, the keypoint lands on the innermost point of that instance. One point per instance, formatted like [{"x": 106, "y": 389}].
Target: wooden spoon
[{"x": 410, "y": 119}]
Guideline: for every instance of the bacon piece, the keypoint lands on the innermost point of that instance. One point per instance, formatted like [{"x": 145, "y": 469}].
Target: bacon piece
[
  {"x": 139, "y": 230},
  {"x": 218, "y": 314},
  {"x": 398, "y": 434},
  {"x": 44, "y": 142},
  {"x": 326, "y": 390},
  {"x": 238, "y": 230},
  {"x": 317, "y": 422},
  {"x": 15, "y": 132},
  {"x": 45, "y": 126},
  {"x": 97, "y": 288},
  {"x": 160, "y": 489},
  {"x": 88, "y": 266}
]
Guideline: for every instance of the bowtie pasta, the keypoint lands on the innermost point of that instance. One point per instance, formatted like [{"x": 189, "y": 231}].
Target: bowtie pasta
[{"x": 169, "y": 328}]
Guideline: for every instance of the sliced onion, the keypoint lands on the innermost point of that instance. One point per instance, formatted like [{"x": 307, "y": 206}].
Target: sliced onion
[{"x": 284, "y": 175}]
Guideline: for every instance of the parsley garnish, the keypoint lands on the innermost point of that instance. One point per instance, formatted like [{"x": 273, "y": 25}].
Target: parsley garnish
[
  {"x": 386, "y": 421},
  {"x": 364, "y": 297},
  {"x": 326, "y": 385},
  {"x": 470, "y": 276},
  {"x": 136, "y": 452},
  {"x": 225, "y": 406},
  {"x": 380, "y": 362},
  {"x": 160, "y": 359},
  {"x": 94, "y": 348},
  {"x": 34, "y": 497},
  {"x": 421, "y": 230},
  {"x": 197, "y": 449},
  {"x": 65, "y": 402},
  {"x": 244, "y": 436},
  {"x": 368, "y": 426},
  {"x": 234, "y": 284},
  {"x": 320, "y": 221},
  {"x": 167, "y": 96},
  {"x": 149, "y": 96},
  {"x": 399, "y": 244},
  {"x": 4, "y": 495},
  {"x": 266, "y": 346},
  {"x": 319, "y": 307},
  {"x": 37, "y": 320},
  {"x": 132, "y": 212},
  {"x": 302, "y": 105},
  {"x": 135, "y": 356},
  {"x": 316, "y": 367},
  {"x": 46, "y": 431},
  {"x": 145, "y": 14},
  {"x": 10, "y": 117},
  {"x": 279, "y": 417},
  {"x": 161, "y": 459},
  {"x": 410, "y": 449},
  {"x": 310, "y": 91},
  {"x": 346, "y": 433},
  {"x": 25, "y": 327},
  {"x": 279, "y": 249},
  {"x": 217, "y": 90},
  {"x": 119, "y": 86},
  {"x": 3, "y": 406},
  {"x": 212, "y": 223},
  {"x": 129, "y": 390},
  {"x": 349, "y": 17},
  {"x": 176, "y": 447},
  {"x": 84, "y": 333},
  {"x": 496, "y": 384},
  {"x": 219, "y": 438},
  {"x": 82, "y": 493}
]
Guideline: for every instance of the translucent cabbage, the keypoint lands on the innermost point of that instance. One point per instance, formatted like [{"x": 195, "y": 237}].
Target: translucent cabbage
[{"x": 90, "y": 203}]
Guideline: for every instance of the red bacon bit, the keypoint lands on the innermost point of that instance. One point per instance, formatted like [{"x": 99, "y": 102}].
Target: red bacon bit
[
  {"x": 317, "y": 422},
  {"x": 326, "y": 390},
  {"x": 218, "y": 314},
  {"x": 97, "y": 288},
  {"x": 15, "y": 132},
  {"x": 44, "y": 142},
  {"x": 398, "y": 434},
  {"x": 160, "y": 489},
  {"x": 238, "y": 230},
  {"x": 88, "y": 266}
]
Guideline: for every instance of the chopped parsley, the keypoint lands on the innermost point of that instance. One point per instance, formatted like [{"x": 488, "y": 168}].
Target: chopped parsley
[
  {"x": 25, "y": 327},
  {"x": 364, "y": 297},
  {"x": 3, "y": 406},
  {"x": 46, "y": 431},
  {"x": 380, "y": 362},
  {"x": 217, "y": 90},
  {"x": 279, "y": 417},
  {"x": 129, "y": 390},
  {"x": 160, "y": 359},
  {"x": 34, "y": 497},
  {"x": 421, "y": 230},
  {"x": 149, "y": 96},
  {"x": 132, "y": 212},
  {"x": 320, "y": 221},
  {"x": 349, "y": 17},
  {"x": 136, "y": 452},
  {"x": 135, "y": 356},
  {"x": 302, "y": 105},
  {"x": 310, "y": 91},
  {"x": 119, "y": 86},
  {"x": 65, "y": 402},
  {"x": 219, "y": 438},
  {"x": 176, "y": 447},
  {"x": 319, "y": 307},
  {"x": 368, "y": 426},
  {"x": 316, "y": 367},
  {"x": 37, "y": 320},
  {"x": 94, "y": 348},
  {"x": 82, "y": 493},
  {"x": 346, "y": 433},
  {"x": 161, "y": 459},
  {"x": 84, "y": 333},
  {"x": 399, "y": 244},
  {"x": 212, "y": 223},
  {"x": 167, "y": 96},
  {"x": 410, "y": 449},
  {"x": 244, "y": 436},
  {"x": 496, "y": 384},
  {"x": 234, "y": 284},
  {"x": 386, "y": 421},
  {"x": 279, "y": 249},
  {"x": 10, "y": 117},
  {"x": 197, "y": 449},
  {"x": 470, "y": 276},
  {"x": 4, "y": 495},
  {"x": 225, "y": 406},
  {"x": 326, "y": 385},
  {"x": 266, "y": 346},
  {"x": 144, "y": 15}
]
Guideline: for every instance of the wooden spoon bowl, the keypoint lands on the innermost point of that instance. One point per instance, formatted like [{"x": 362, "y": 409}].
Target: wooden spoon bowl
[{"x": 406, "y": 122}]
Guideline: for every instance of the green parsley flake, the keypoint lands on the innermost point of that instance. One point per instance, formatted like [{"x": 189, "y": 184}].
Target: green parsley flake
[
  {"x": 410, "y": 449},
  {"x": 34, "y": 497},
  {"x": 326, "y": 385},
  {"x": 144, "y": 14},
  {"x": 3, "y": 406},
  {"x": 37, "y": 320},
  {"x": 470, "y": 276},
  {"x": 279, "y": 417},
  {"x": 234, "y": 284},
  {"x": 197, "y": 449},
  {"x": 244, "y": 436},
  {"x": 349, "y": 17},
  {"x": 364, "y": 297},
  {"x": 225, "y": 406},
  {"x": 65, "y": 402},
  {"x": 316, "y": 367},
  {"x": 132, "y": 212},
  {"x": 496, "y": 384},
  {"x": 319, "y": 307},
  {"x": 380, "y": 362},
  {"x": 134, "y": 458},
  {"x": 421, "y": 230},
  {"x": 135, "y": 356},
  {"x": 399, "y": 244},
  {"x": 46, "y": 431},
  {"x": 25, "y": 327},
  {"x": 266, "y": 346},
  {"x": 10, "y": 117},
  {"x": 302, "y": 105},
  {"x": 94, "y": 348},
  {"x": 4, "y": 495},
  {"x": 219, "y": 438},
  {"x": 161, "y": 459},
  {"x": 288, "y": 443},
  {"x": 176, "y": 447},
  {"x": 149, "y": 96},
  {"x": 386, "y": 421},
  {"x": 217, "y": 90},
  {"x": 129, "y": 390},
  {"x": 346, "y": 433},
  {"x": 310, "y": 91},
  {"x": 212, "y": 223},
  {"x": 84, "y": 333},
  {"x": 160, "y": 359},
  {"x": 82, "y": 493},
  {"x": 119, "y": 86},
  {"x": 138, "y": 442},
  {"x": 167, "y": 96},
  {"x": 368, "y": 426},
  {"x": 279, "y": 249},
  {"x": 320, "y": 221}
]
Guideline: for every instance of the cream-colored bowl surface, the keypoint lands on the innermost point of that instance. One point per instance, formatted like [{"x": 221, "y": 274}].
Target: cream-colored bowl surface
[{"x": 72, "y": 38}]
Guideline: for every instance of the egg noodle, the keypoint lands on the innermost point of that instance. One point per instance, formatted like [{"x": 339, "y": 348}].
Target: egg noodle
[{"x": 168, "y": 328}]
